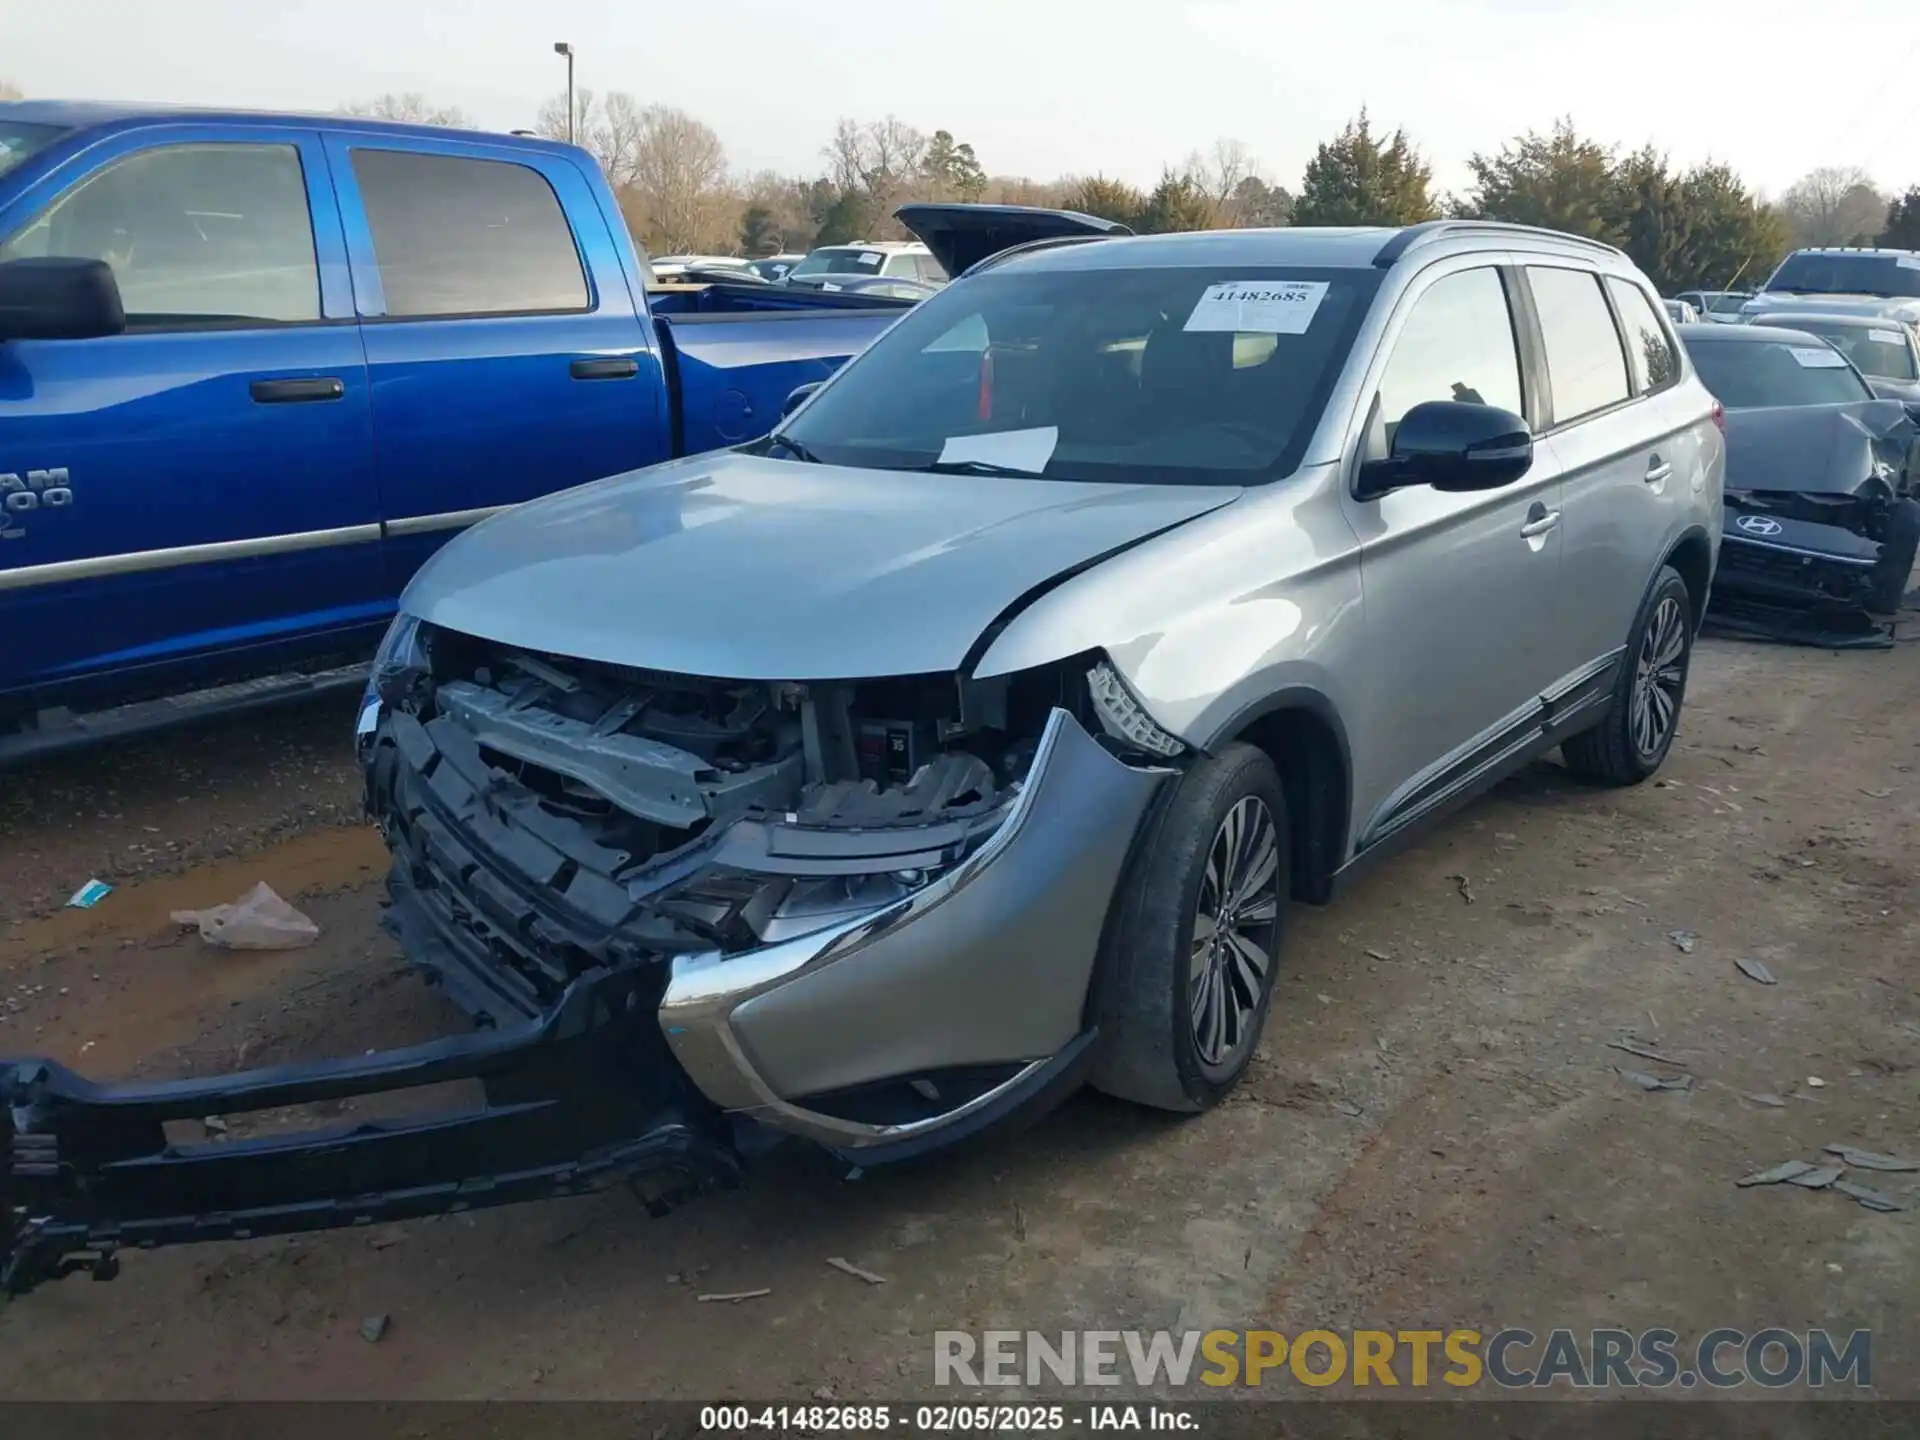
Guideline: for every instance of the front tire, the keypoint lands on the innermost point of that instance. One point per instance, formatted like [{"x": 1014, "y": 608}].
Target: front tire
[
  {"x": 1633, "y": 738},
  {"x": 1188, "y": 969}
]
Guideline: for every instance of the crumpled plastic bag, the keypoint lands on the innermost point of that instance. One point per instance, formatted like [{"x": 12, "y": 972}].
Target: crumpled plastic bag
[{"x": 258, "y": 920}]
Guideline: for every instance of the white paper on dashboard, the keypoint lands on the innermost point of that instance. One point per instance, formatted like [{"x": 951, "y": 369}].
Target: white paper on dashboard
[
  {"x": 1028, "y": 450},
  {"x": 871, "y": 257},
  {"x": 1886, "y": 337},
  {"x": 1268, "y": 307},
  {"x": 1909, "y": 262},
  {"x": 1819, "y": 359}
]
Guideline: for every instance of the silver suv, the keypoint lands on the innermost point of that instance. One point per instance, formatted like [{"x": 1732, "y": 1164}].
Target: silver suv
[{"x": 968, "y": 737}]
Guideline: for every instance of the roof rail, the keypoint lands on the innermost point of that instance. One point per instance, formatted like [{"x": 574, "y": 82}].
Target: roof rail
[{"x": 1413, "y": 235}]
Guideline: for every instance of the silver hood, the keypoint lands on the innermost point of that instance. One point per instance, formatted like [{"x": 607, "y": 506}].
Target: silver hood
[{"x": 746, "y": 568}]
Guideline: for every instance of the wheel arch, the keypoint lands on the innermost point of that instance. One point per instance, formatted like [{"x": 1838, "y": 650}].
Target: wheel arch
[
  {"x": 1691, "y": 556},
  {"x": 1301, "y": 731}
]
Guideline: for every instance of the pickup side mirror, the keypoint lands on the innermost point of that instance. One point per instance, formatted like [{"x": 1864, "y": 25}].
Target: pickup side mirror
[
  {"x": 59, "y": 298},
  {"x": 799, "y": 397},
  {"x": 1453, "y": 446}
]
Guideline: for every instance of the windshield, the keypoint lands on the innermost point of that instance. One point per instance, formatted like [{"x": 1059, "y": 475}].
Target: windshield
[
  {"x": 1880, "y": 350},
  {"x": 18, "y": 140},
  {"x": 1744, "y": 375},
  {"x": 1810, "y": 272},
  {"x": 841, "y": 260},
  {"x": 1726, "y": 303},
  {"x": 1160, "y": 376}
]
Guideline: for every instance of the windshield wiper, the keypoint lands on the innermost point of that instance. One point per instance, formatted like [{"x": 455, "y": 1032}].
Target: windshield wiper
[
  {"x": 794, "y": 448},
  {"x": 975, "y": 467}
]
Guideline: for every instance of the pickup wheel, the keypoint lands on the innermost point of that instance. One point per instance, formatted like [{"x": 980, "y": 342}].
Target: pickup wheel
[
  {"x": 1189, "y": 966},
  {"x": 1633, "y": 737}
]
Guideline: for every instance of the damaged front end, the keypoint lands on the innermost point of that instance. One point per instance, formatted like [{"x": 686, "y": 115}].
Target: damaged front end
[
  {"x": 683, "y": 913},
  {"x": 1820, "y": 529}
]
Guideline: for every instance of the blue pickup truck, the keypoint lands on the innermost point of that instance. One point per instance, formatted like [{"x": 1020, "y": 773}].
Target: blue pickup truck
[{"x": 255, "y": 368}]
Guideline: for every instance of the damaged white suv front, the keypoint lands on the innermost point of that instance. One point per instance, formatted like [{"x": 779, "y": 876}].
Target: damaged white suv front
[{"x": 867, "y": 910}]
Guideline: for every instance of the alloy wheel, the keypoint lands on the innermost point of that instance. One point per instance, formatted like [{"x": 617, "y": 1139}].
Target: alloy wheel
[
  {"x": 1235, "y": 929},
  {"x": 1660, "y": 677}
]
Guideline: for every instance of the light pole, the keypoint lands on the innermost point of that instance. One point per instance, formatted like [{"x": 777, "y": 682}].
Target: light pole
[{"x": 563, "y": 48}]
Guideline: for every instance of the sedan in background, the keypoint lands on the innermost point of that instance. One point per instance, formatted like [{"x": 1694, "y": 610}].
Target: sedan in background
[
  {"x": 1885, "y": 351},
  {"x": 775, "y": 268},
  {"x": 1820, "y": 528},
  {"x": 883, "y": 286},
  {"x": 1681, "y": 313},
  {"x": 1718, "y": 307}
]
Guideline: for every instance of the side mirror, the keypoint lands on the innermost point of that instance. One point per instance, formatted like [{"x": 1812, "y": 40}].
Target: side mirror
[
  {"x": 799, "y": 397},
  {"x": 59, "y": 298},
  {"x": 1453, "y": 446}
]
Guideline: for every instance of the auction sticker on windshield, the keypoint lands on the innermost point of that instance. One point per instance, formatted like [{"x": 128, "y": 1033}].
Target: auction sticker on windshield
[
  {"x": 1028, "y": 450},
  {"x": 1819, "y": 359},
  {"x": 1272, "y": 307},
  {"x": 1886, "y": 337}
]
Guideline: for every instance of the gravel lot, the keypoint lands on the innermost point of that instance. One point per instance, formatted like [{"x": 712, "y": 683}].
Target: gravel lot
[{"x": 1436, "y": 1133}]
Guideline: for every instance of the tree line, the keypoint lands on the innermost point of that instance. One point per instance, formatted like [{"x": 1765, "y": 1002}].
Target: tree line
[{"x": 1693, "y": 228}]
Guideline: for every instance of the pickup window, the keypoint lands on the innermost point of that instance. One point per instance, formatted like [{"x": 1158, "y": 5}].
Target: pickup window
[
  {"x": 455, "y": 236},
  {"x": 195, "y": 234},
  {"x": 19, "y": 140}
]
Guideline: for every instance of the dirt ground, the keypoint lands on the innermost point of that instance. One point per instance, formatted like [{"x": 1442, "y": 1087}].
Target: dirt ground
[{"x": 1434, "y": 1135}]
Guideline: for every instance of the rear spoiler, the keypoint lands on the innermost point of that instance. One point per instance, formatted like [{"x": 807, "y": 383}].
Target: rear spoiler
[{"x": 962, "y": 237}]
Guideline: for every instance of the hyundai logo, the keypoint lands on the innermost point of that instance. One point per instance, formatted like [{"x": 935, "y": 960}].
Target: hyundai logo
[{"x": 1759, "y": 524}]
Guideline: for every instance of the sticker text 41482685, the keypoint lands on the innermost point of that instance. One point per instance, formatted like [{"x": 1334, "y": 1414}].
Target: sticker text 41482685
[{"x": 1271, "y": 307}]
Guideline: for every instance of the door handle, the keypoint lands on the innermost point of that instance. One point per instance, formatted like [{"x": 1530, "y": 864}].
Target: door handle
[
  {"x": 619, "y": 367},
  {"x": 297, "y": 392},
  {"x": 1658, "y": 471},
  {"x": 1539, "y": 522}
]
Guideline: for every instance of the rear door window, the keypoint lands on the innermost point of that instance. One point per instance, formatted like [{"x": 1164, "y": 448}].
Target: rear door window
[
  {"x": 1586, "y": 367},
  {"x": 195, "y": 234},
  {"x": 1649, "y": 350},
  {"x": 457, "y": 236}
]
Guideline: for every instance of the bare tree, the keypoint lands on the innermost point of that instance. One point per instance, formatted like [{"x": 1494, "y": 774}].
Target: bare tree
[
  {"x": 413, "y": 108},
  {"x": 11, "y": 91},
  {"x": 678, "y": 183},
  {"x": 1834, "y": 205},
  {"x": 879, "y": 160},
  {"x": 552, "y": 120},
  {"x": 615, "y": 137},
  {"x": 1222, "y": 169}
]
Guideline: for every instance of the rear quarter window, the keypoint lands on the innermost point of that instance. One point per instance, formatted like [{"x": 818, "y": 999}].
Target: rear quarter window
[{"x": 1650, "y": 351}]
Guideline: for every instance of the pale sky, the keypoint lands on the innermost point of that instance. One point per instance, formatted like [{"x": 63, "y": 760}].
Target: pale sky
[{"x": 1045, "y": 87}]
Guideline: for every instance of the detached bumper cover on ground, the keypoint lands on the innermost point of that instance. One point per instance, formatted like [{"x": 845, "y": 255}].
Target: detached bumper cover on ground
[{"x": 905, "y": 1026}]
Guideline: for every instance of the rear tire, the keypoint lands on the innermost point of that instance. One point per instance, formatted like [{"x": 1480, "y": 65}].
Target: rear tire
[
  {"x": 1897, "y": 554},
  {"x": 1633, "y": 737},
  {"x": 1188, "y": 969}
]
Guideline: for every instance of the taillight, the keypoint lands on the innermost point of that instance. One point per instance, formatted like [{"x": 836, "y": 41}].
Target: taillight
[
  {"x": 984, "y": 410},
  {"x": 1719, "y": 417}
]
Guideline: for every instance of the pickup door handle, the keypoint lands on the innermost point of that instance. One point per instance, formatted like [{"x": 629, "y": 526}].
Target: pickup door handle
[
  {"x": 622, "y": 367},
  {"x": 297, "y": 392},
  {"x": 1658, "y": 471}
]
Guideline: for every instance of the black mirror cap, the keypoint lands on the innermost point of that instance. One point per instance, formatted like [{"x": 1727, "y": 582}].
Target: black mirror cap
[
  {"x": 798, "y": 397},
  {"x": 59, "y": 298},
  {"x": 1452, "y": 446}
]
